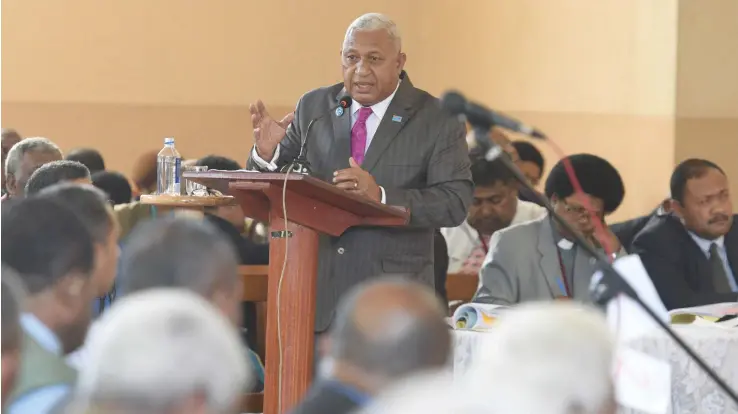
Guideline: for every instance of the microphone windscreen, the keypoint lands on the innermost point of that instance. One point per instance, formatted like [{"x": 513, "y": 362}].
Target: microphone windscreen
[
  {"x": 345, "y": 102},
  {"x": 454, "y": 102}
]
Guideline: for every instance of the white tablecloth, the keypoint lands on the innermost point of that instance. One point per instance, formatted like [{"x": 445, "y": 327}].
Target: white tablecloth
[{"x": 692, "y": 391}]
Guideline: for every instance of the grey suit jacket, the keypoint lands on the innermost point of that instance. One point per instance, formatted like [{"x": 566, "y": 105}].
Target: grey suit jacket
[
  {"x": 523, "y": 265},
  {"x": 418, "y": 155}
]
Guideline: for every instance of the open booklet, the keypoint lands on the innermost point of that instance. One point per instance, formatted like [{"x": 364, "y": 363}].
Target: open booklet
[
  {"x": 477, "y": 316},
  {"x": 709, "y": 312}
]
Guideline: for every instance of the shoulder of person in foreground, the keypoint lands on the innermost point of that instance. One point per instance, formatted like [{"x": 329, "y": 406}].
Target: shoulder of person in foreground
[
  {"x": 130, "y": 214},
  {"x": 40, "y": 401}
]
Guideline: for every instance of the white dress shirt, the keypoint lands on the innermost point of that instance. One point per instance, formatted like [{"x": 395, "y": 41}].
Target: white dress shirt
[{"x": 372, "y": 124}]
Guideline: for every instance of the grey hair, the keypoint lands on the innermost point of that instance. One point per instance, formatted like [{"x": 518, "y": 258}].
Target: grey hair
[
  {"x": 154, "y": 350},
  {"x": 413, "y": 340},
  {"x": 178, "y": 252},
  {"x": 538, "y": 344},
  {"x": 375, "y": 21},
  {"x": 16, "y": 153}
]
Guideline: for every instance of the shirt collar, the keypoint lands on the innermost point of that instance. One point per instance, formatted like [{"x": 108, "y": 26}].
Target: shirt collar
[
  {"x": 561, "y": 241},
  {"x": 379, "y": 108},
  {"x": 705, "y": 244},
  {"x": 41, "y": 333}
]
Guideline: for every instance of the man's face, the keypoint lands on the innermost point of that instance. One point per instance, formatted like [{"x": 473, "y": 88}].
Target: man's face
[
  {"x": 531, "y": 171},
  {"x": 30, "y": 162},
  {"x": 372, "y": 64},
  {"x": 71, "y": 300},
  {"x": 574, "y": 210},
  {"x": 106, "y": 258},
  {"x": 706, "y": 209},
  {"x": 493, "y": 207}
]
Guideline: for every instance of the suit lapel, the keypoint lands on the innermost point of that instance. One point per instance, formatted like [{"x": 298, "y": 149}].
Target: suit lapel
[
  {"x": 584, "y": 268},
  {"x": 341, "y": 150},
  {"x": 398, "y": 114},
  {"x": 549, "y": 259},
  {"x": 731, "y": 248}
]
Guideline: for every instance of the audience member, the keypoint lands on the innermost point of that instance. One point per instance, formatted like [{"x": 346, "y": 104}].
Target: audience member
[
  {"x": 23, "y": 159},
  {"x": 384, "y": 330},
  {"x": 90, "y": 205},
  {"x": 538, "y": 260},
  {"x": 91, "y": 158},
  {"x": 692, "y": 255},
  {"x": 181, "y": 253},
  {"x": 440, "y": 265},
  {"x": 144, "y": 172},
  {"x": 115, "y": 185},
  {"x": 495, "y": 207},
  {"x": 50, "y": 247},
  {"x": 499, "y": 138},
  {"x": 531, "y": 161},
  {"x": 57, "y": 172},
  {"x": 231, "y": 220},
  {"x": 557, "y": 358},
  {"x": 12, "y": 296},
  {"x": 10, "y": 137},
  {"x": 164, "y": 351},
  {"x": 627, "y": 231}
]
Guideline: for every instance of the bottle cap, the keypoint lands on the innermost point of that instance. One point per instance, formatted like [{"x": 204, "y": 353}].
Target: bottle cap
[{"x": 168, "y": 140}]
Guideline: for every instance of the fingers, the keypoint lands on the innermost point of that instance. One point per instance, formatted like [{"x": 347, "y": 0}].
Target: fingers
[
  {"x": 287, "y": 120},
  {"x": 345, "y": 175},
  {"x": 353, "y": 163},
  {"x": 261, "y": 109},
  {"x": 347, "y": 185}
]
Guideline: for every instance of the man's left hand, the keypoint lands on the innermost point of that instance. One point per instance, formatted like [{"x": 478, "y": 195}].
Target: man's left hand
[{"x": 357, "y": 181}]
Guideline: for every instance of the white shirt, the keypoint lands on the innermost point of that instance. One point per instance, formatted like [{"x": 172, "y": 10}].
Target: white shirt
[
  {"x": 462, "y": 240},
  {"x": 372, "y": 124}
]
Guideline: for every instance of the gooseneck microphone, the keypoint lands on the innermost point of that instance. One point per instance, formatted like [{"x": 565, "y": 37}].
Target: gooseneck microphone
[
  {"x": 480, "y": 116},
  {"x": 301, "y": 165}
]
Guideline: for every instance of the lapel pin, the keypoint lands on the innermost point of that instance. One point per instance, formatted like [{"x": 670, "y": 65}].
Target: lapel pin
[
  {"x": 396, "y": 118},
  {"x": 339, "y": 111}
]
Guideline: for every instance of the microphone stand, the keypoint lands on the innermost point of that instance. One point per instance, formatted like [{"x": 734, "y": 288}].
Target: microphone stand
[{"x": 612, "y": 283}]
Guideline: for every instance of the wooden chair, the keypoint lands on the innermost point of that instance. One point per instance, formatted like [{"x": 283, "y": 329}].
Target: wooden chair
[
  {"x": 460, "y": 289},
  {"x": 255, "y": 282}
]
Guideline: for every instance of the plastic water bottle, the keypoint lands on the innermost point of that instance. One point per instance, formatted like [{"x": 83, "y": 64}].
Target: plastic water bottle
[{"x": 168, "y": 164}]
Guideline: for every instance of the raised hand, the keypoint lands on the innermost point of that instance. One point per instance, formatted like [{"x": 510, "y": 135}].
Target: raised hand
[{"x": 267, "y": 131}]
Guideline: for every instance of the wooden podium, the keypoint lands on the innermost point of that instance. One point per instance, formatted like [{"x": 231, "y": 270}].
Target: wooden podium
[{"x": 312, "y": 207}]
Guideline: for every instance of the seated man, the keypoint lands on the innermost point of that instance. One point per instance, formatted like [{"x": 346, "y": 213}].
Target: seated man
[
  {"x": 23, "y": 159},
  {"x": 89, "y": 203},
  {"x": 115, "y": 185},
  {"x": 12, "y": 296},
  {"x": 538, "y": 260},
  {"x": 89, "y": 157},
  {"x": 164, "y": 351},
  {"x": 629, "y": 229},
  {"x": 692, "y": 255},
  {"x": 56, "y": 172},
  {"x": 495, "y": 207},
  {"x": 181, "y": 253},
  {"x": 385, "y": 330},
  {"x": 531, "y": 161},
  {"x": 52, "y": 250}
]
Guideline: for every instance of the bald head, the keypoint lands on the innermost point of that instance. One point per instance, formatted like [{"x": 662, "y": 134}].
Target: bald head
[{"x": 390, "y": 328}]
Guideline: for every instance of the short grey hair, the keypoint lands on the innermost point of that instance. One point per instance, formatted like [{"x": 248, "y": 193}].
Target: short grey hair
[
  {"x": 415, "y": 339},
  {"x": 16, "y": 153},
  {"x": 537, "y": 345},
  {"x": 178, "y": 252},
  {"x": 155, "y": 349},
  {"x": 375, "y": 21}
]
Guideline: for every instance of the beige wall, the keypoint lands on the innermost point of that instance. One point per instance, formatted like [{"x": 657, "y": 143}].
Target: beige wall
[
  {"x": 707, "y": 87},
  {"x": 597, "y": 76}
]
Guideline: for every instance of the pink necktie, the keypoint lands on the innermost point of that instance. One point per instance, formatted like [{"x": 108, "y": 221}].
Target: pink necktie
[{"x": 358, "y": 135}]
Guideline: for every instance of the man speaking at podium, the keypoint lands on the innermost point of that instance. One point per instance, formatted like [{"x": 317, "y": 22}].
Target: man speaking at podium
[{"x": 393, "y": 145}]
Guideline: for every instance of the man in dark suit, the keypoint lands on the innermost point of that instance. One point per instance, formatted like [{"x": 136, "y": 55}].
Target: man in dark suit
[
  {"x": 385, "y": 331},
  {"x": 692, "y": 255},
  {"x": 626, "y": 231},
  {"x": 393, "y": 145}
]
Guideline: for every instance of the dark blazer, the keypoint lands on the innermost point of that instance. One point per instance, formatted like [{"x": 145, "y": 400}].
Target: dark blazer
[
  {"x": 440, "y": 253},
  {"x": 324, "y": 399},
  {"x": 679, "y": 269},
  {"x": 626, "y": 231},
  {"x": 418, "y": 155}
]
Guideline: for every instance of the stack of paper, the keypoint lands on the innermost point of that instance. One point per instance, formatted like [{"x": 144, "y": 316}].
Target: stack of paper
[
  {"x": 477, "y": 316},
  {"x": 708, "y": 312}
]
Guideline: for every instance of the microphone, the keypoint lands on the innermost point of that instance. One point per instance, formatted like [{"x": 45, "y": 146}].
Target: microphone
[
  {"x": 300, "y": 164},
  {"x": 480, "y": 116}
]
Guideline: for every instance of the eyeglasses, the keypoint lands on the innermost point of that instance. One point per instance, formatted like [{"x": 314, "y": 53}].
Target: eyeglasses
[{"x": 580, "y": 211}]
